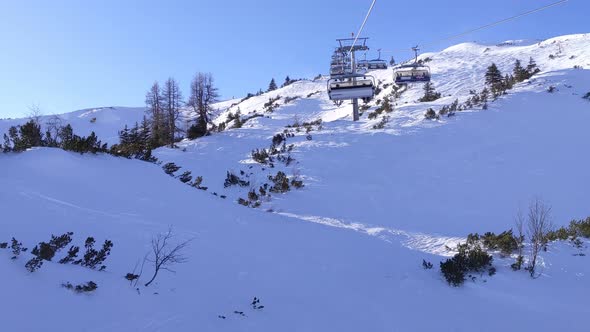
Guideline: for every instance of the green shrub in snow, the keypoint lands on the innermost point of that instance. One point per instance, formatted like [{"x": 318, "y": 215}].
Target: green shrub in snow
[
  {"x": 470, "y": 258},
  {"x": 81, "y": 288}
]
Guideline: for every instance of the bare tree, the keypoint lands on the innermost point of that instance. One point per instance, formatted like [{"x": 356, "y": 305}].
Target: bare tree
[
  {"x": 154, "y": 103},
  {"x": 519, "y": 223},
  {"x": 165, "y": 254},
  {"x": 203, "y": 94},
  {"x": 35, "y": 113},
  {"x": 54, "y": 125},
  {"x": 538, "y": 225},
  {"x": 172, "y": 102}
]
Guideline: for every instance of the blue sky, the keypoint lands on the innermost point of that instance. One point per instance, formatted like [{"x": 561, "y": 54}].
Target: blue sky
[{"x": 67, "y": 55}]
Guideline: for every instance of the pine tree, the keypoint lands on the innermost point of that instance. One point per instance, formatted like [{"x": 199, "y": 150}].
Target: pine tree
[
  {"x": 392, "y": 61},
  {"x": 532, "y": 68},
  {"x": 493, "y": 76},
  {"x": 519, "y": 73},
  {"x": 430, "y": 93},
  {"x": 272, "y": 85},
  {"x": 287, "y": 81}
]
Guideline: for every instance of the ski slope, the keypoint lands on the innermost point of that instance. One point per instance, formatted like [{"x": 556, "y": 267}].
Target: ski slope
[{"x": 344, "y": 253}]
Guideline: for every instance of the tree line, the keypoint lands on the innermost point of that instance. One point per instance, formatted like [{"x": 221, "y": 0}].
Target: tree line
[{"x": 165, "y": 103}]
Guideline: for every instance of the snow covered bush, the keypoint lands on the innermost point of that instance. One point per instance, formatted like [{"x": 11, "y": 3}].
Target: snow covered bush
[
  {"x": 88, "y": 287},
  {"x": 17, "y": 248},
  {"x": 381, "y": 124},
  {"x": 47, "y": 250},
  {"x": 94, "y": 258},
  {"x": 505, "y": 242},
  {"x": 170, "y": 168},
  {"x": 576, "y": 228},
  {"x": 430, "y": 93},
  {"x": 470, "y": 258},
  {"x": 232, "y": 180},
  {"x": 185, "y": 177},
  {"x": 280, "y": 183},
  {"x": 72, "y": 255},
  {"x": 587, "y": 96},
  {"x": 431, "y": 114}
]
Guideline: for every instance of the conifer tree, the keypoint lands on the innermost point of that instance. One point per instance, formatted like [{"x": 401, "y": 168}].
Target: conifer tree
[
  {"x": 532, "y": 68},
  {"x": 272, "y": 85},
  {"x": 287, "y": 81},
  {"x": 493, "y": 76},
  {"x": 430, "y": 93},
  {"x": 519, "y": 73}
]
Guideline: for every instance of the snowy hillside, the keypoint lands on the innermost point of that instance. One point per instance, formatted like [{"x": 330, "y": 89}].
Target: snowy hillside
[{"x": 343, "y": 253}]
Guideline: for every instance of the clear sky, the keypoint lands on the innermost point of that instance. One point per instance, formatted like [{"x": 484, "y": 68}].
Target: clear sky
[{"x": 68, "y": 55}]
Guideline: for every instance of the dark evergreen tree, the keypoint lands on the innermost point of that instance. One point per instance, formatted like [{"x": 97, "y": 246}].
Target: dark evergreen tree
[
  {"x": 519, "y": 73},
  {"x": 532, "y": 68},
  {"x": 430, "y": 93},
  {"x": 272, "y": 85},
  {"x": 493, "y": 76}
]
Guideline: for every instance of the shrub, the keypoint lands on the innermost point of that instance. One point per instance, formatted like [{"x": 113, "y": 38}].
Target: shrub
[
  {"x": 551, "y": 89},
  {"x": 17, "y": 248},
  {"x": 587, "y": 96},
  {"x": 426, "y": 265},
  {"x": 131, "y": 276},
  {"x": 453, "y": 271},
  {"x": 505, "y": 242},
  {"x": 3, "y": 245},
  {"x": 297, "y": 184},
  {"x": 280, "y": 183},
  {"x": 170, "y": 168},
  {"x": 431, "y": 114},
  {"x": 381, "y": 124},
  {"x": 34, "y": 264},
  {"x": 197, "y": 130},
  {"x": 576, "y": 228},
  {"x": 518, "y": 264},
  {"x": 82, "y": 288},
  {"x": 185, "y": 177},
  {"x": 261, "y": 156},
  {"x": 470, "y": 258},
  {"x": 232, "y": 180},
  {"x": 94, "y": 258},
  {"x": 46, "y": 251},
  {"x": 72, "y": 255}
]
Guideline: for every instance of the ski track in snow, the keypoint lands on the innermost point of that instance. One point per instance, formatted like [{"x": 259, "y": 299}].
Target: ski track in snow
[{"x": 426, "y": 243}]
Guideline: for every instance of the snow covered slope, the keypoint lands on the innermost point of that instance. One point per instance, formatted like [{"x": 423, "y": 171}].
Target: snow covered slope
[
  {"x": 104, "y": 121},
  {"x": 344, "y": 253}
]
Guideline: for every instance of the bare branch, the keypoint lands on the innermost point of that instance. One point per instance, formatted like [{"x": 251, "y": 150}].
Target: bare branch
[
  {"x": 538, "y": 225},
  {"x": 165, "y": 255}
]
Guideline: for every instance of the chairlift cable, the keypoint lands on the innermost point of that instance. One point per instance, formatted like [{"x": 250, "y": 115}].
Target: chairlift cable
[
  {"x": 485, "y": 26},
  {"x": 362, "y": 26}
]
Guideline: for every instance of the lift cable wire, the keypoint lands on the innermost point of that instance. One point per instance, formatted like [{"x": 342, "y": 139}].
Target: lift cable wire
[
  {"x": 362, "y": 26},
  {"x": 485, "y": 26}
]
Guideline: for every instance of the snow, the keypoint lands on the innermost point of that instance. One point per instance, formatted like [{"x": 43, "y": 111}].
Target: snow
[{"x": 343, "y": 253}]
